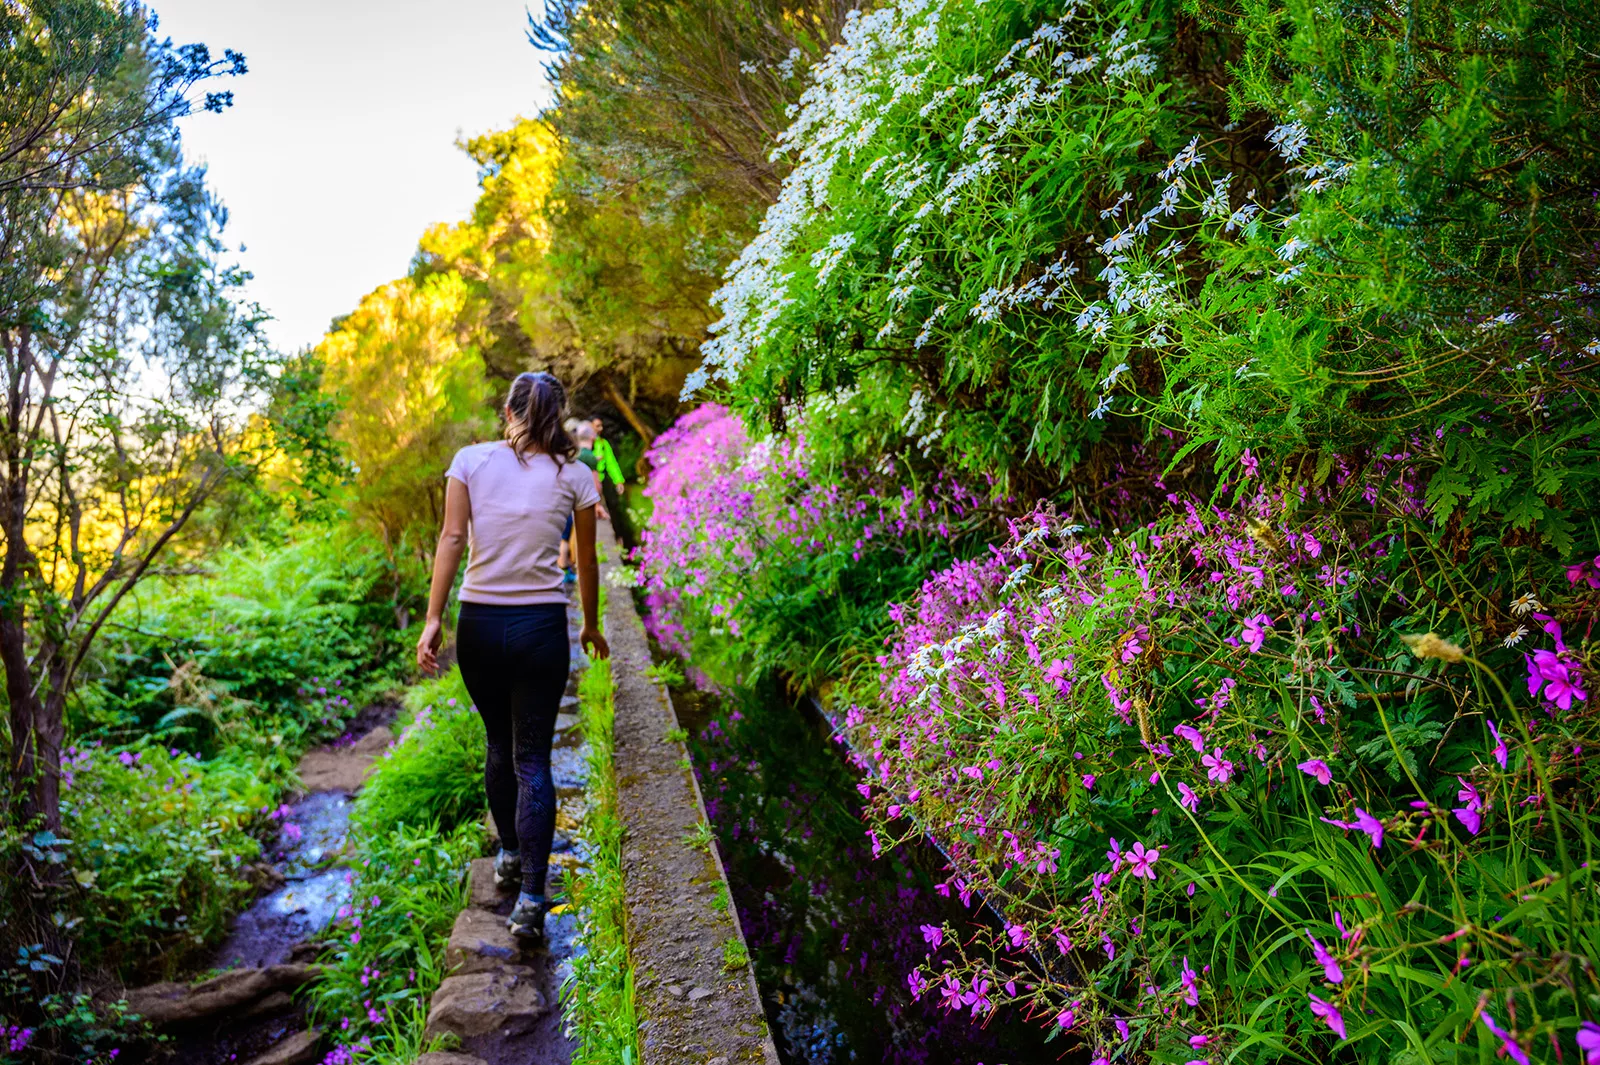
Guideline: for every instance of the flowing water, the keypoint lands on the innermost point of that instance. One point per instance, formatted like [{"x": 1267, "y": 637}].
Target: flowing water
[
  {"x": 832, "y": 931},
  {"x": 313, "y": 831}
]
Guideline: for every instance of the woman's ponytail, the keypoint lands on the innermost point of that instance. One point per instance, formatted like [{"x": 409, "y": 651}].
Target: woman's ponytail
[{"x": 533, "y": 418}]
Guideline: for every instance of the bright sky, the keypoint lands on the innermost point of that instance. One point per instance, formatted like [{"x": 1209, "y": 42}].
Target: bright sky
[{"x": 339, "y": 149}]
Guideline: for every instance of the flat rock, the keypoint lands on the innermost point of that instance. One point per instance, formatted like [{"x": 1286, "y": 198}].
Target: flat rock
[
  {"x": 450, "y": 1057},
  {"x": 297, "y": 1049},
  {"x": 480, "y": 885},
  {"x": 479, "y": 942},
  {"x": 475, "y": 1004},
  {"x": 699, "y": 993},
  {"x": 171, "y": 1004},
  {"x": 343, "y": 768},
  {"x": 277, "y": 1002}
]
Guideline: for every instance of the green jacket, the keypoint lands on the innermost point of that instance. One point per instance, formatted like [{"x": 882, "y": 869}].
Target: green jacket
[{"x": 608, "y": 462}]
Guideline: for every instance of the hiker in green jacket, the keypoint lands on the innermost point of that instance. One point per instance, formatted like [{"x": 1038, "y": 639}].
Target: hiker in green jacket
[
  {"x": 611, "y": 481},
  {"x": 610, "y": 471}
]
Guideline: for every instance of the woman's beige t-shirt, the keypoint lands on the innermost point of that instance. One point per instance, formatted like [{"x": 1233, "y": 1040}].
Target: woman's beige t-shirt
[{"x": 518, "y": 510}]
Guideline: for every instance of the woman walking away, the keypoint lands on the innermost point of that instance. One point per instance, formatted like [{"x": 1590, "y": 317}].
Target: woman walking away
[{"x": 511, "y": 498}]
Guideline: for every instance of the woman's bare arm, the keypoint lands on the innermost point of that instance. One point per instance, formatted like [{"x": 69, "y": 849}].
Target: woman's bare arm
[
  {"x": 446, "y": 562},
  {"x": 589, "y": 583}
]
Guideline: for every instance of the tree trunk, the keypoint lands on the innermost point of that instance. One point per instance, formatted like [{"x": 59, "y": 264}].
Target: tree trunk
[
  {"x": 35, "y": 745},
  {"x": 627, "y": 411}
]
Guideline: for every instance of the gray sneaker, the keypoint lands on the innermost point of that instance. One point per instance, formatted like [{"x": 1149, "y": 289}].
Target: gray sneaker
[
  {"x": 527, "y": 917},
  {"x": 507, "y": 871}
]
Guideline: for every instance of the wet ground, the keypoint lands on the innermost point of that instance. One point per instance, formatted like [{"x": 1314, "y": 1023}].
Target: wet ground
[
  {"x": 312, "y": 833},
  {"x": 284, "y": 923}
]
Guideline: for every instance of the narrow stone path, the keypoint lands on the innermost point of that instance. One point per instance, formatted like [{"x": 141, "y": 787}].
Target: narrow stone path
[{"x": 697, "y": 1001}]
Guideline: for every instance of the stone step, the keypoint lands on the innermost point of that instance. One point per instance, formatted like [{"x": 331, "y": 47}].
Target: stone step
[
  {"x": 235, "y": 992},
  {"x": 301, "y": 1048},
  {"x": 505, "y": 1002},
  {"x": 480, "y": 942}
]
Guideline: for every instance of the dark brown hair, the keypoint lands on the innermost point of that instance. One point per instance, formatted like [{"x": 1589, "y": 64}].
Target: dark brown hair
[{"x": 533, "y": 418}]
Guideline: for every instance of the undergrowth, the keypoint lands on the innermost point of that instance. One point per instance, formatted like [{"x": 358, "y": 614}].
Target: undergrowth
[
  {"x": 598, "y": 997},
  {"x": 416, "y": 826}
]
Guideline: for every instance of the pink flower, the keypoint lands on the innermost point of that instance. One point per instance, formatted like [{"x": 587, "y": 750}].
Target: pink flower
[
  {"x": 1142, "y": 859},
  {"x": 1512, "y": 1048},
  {"x": 1122, "y": 1027},
  {"x": 950, "y": 993},
  {"x": 1330, "y": 1015},
  {"x": 1316, "y": 767},
  {"x": 932, "y": 935},
  {"x": 1066, "y": 1018},
  {"x": 978, "y": 997},
  {"x": 1114, "y": 855},
  {"x": 1047, "y": 858},
  {"x": 1088, "y": 782},
  {"x": 1218, "y": 768},
  {"x": 1192, "y": 734},
  {"x": 1189, "y": 800},
  {"x": 1198, "y": 1041},
  {"x": 1365, "y": 822},
  {"x": 1255, "y": 632},
  {"x": 973, "y": 771},
  {"x": 1589, "y": 1042},
  {"x": 1018, "y": 936},
  {"x": 1470, "y": 819},
  {"x": 1561, "y": 678},
  {"x": 917, "y": 982},
  {"x": 1057, "y": 675},
  {"x": 1500, "y": 751},
  {"x": 1330, "y": 966},
  {"x": 1191, "y": 983}
]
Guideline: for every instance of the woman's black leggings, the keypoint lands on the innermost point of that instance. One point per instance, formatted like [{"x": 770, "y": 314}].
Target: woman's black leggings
[{"x": 514, "y": 660}]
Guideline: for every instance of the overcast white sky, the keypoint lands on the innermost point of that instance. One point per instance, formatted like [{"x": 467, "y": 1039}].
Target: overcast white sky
[{"x": 340, "y": 147}]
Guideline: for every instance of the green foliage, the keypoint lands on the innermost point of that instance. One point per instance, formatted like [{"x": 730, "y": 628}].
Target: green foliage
[
  {"x": 434, "y": 772},
  {"x": 734, "y": 955},
  {"x": 159, "y": 845},
  {"x": 386, "y": 955},
  {"x": 1022, "y": 240},
  {"x": 597, "y": 998},
  {"x": 268, "y": 645}
]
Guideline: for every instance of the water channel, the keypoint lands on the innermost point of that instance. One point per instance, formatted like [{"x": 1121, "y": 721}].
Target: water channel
[{"x": 833, "y": 932}]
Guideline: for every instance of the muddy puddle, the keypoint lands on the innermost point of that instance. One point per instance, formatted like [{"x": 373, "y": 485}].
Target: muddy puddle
[{"x": 832, "y": 931}]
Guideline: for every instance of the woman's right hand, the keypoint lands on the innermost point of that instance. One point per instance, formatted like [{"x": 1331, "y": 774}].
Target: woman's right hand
[{"x": 428, "y": 645}]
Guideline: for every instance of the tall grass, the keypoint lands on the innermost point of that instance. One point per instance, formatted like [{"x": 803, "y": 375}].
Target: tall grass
[
  {"x": 598, "y": 997},
  {"x": 415, "y": 830}
]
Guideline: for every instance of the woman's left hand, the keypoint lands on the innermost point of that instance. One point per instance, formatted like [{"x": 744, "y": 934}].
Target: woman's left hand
[
  {"x": 428, "y": 645},
  {"x": 594, "y": 643}
]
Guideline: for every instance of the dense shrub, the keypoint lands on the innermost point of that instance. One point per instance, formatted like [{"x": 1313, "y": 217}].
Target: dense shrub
[
  {"x": 433, "y": 774},
  {"x": 762, "y": 567},
  {"x": 1017, "y": 229},
  {"x": 270, "y": 644},
  {"x": 1291, "y": 308},
  {"x": 159, "y": 841},
  {"x": 1222, "y": 805}
]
